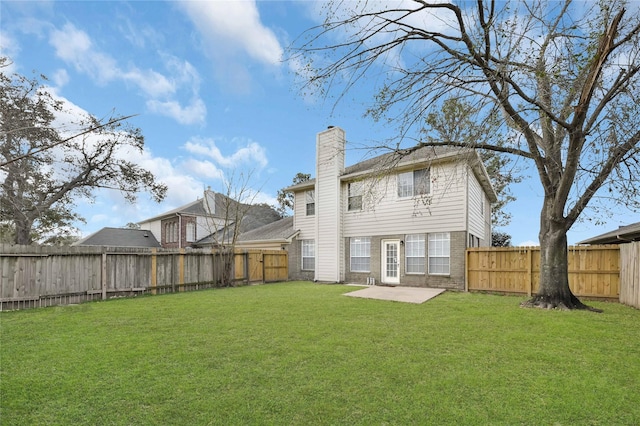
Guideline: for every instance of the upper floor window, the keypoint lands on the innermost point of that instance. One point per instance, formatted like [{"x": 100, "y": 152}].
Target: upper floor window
[
  {"x": 310, "y": 197},
  {"x": 355, "y": 196},
  {"x": 413, "y": 183},
  {"x": 191, "y": 232},
  {"x": 170, "y": 232}
]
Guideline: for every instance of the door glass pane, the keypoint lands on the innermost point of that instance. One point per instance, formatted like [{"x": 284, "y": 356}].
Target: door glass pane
[{"x": 392, "y": 260}]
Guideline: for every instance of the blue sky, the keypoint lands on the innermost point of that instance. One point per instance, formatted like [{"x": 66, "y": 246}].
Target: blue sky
[{"x": 213, "y": 97}]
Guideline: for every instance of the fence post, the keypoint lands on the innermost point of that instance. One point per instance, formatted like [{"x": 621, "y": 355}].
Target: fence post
[
  {"x": 104, "y": 275},
  {"x": 245, "y": 264},
  {"x": 529, "y": 270},
  {"x": 466, "y": 270},
  {"x": 181, "y": 270},
  {"x": 154, "y": 270}
]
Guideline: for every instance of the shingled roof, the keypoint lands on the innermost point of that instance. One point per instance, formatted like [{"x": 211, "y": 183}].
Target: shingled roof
[
  {"x": 623, "y": 234},
  {"x": 120, "y": 237},
  {"x": 280, "y": 230},
  {"x": 407, "y": 157},
  {"x": 255, "y": 217}
]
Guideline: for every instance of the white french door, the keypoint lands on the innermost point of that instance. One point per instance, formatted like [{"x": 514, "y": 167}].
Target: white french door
[{"x": 390, "y": 261}]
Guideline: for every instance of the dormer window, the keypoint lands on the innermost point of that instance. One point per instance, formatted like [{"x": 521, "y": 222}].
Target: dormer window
[{"x": 413, "y": 183}]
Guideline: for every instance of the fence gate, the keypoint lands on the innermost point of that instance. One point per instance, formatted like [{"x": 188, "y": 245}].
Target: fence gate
[{"x": 261, "y": 265}]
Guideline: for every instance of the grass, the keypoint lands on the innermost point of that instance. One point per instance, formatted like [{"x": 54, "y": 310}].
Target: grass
[{"x": 300, "y": 353}]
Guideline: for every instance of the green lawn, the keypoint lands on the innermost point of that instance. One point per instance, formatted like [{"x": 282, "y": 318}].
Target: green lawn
[{"x": 301, "y": 353}]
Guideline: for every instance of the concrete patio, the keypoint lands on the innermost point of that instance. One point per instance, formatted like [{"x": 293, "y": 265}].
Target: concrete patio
[{"x": 397, "y": 294}]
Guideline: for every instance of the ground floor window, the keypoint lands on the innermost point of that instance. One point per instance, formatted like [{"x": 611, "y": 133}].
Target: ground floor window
[
  {"x": 439, "y": 253},
  {"x": 360, "y": 249},
  {"x": 308, "y": 255},
  {"x": 414, "y": 249}
]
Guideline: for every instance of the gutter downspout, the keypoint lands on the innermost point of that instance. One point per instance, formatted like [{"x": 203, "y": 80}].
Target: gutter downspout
[{"x": 179, "y": 230}]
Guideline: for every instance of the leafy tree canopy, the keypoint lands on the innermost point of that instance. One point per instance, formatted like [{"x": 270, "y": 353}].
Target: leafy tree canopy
[{"x": 45, "y": 169}]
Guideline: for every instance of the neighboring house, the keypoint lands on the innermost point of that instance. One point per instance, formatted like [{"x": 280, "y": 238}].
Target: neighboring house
[
  {"x": 398, "y": 220},
  {"x": 120, "y": 237},
  {"x": 624, "y": 234},
  {"x": 209, "y": 221},
  {"x": 251, "y": 217},
  {"x": 277, "y": 235}
]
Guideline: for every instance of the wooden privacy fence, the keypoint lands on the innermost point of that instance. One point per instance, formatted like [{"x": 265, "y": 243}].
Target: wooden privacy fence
[
  {"x": 594, "y": 271},
  {"x": 36, "y": 276},
  {"x": 630, "y": 274},
  {"x": 261, "y": 265}
]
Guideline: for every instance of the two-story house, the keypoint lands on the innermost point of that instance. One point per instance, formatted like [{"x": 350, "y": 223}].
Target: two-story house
[
  {"x": 209, "y": 221},
  {"x": 394, "y": 219}
]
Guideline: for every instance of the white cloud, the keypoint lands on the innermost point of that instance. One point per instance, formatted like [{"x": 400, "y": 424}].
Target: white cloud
[
  {"x": 75, "y": 47},
  {"x": 152, "y": 83},
  {"x": 234, "y": 37},
  {"x": 204, "y": 168},
  {"x": 194, "y": 113},
  {"x": 235, "y": 26},
  {"x": 253, "y": 153},
  {"x": 10, "y": 48},
  {"x": 60, "y": 77}
]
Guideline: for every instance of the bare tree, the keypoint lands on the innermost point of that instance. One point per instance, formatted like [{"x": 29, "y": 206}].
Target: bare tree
[
  {"x": 564, "y": 78},
  {"x": 233, "y": 212},
  {"x": 456, "y": 121},
  {"x": 43, "y": 171}
]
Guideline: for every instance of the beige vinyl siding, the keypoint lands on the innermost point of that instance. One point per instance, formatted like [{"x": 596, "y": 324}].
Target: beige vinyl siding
[
  {"x": 477, "y": 201},
  {"x": 329, "y": 166},
  {"x": 385, "y": 213},
  {"x": 487, "y": 223},
  {"x": 306, "y": 224}
]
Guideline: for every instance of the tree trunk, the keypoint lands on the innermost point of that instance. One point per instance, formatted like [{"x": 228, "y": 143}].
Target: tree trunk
[
  {"x": 554, "y": 291},
  {"x": 23, "y": 232}
]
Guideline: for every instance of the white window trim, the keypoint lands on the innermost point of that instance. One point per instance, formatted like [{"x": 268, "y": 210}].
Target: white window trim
[
  {"x": 310, "y": 195},
  {"x": 191, "y": 232},
  {"x": 413, "y": 183},
  {"x": 365, "y": 243},
  {"x": 438, "y": 256},
  {"x": 406, "y": 253},
  {"x": 357, "y": 192},
  {"x": 312, "y": 243}
]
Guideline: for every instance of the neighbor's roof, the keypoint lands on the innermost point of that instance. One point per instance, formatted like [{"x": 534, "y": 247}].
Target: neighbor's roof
[
  {"x": 401, "y": 159},
  {"x": 255, "y": 217},
  {"x": 195, "y": 208},
  {"x": 120, "y": 237},
  {"x": 280, "y": 230},
  {"x": 623, "y": 234}
]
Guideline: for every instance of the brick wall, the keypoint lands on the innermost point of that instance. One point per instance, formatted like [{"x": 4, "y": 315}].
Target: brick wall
[
  {"x": 295, "y": 263},
  {"x": 455, "y": 280},
  {"x": 169, "y": 227}
]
